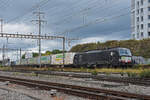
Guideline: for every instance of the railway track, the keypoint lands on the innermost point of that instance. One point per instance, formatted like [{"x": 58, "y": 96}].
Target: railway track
[
  {"x": 125, "y": 80},
  {"x": 86, "y": 92}
]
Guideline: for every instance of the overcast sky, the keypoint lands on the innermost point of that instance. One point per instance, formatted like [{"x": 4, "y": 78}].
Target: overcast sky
[{"x": 87, "y": 20}]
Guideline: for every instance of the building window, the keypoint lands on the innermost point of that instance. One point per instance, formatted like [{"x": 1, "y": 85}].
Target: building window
[
  {"x": 149, "y": 25},
  {"x": 138, "y": 3},
  {"x": 141, "y": 34},
  {"x": 148, "y": 8},
  {"x": 142, "y": 18},
  {"x": 149, "y": 1},
  {"x": 142, "y": 26},
  {"x": 137, "y": 19},
  {"x": 138, "y": 11},
  {"x": 141, "y": 10},
  {"x": 137, "y": 35},
  {"x": 141, "y": 2},
  {"x": 148, "y": 16},
  {"x": 148, "y": 33},
  {"x": 137, "y": 26}
]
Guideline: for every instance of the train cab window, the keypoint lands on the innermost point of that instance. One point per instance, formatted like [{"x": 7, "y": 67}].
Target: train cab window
[{"x": 125, "y": 52}]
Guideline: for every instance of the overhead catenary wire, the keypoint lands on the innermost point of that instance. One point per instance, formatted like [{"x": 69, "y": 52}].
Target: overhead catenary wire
[
  {"x": 69, "y": 15},
  {"x": 100, "y": 10},
  {"x": 84, "y": 10},
  {"x": 82, "y": 26},
  {"x": 30, "y": 10},
  {"x": 97, "y": 20},
  {"x": 67, "y": 9},
  {"x": 56, "y": 14},
  {"x": 4, "y": 4},
  {"x": 105, "y": 9},
  {"x": 22, "y": 16},
  {"x": 71, "y": 12},
  {"x": 92, "y": 22}
]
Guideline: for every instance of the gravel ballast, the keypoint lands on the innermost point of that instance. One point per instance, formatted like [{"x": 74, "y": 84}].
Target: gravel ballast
[{"x": 83, "y": 82}]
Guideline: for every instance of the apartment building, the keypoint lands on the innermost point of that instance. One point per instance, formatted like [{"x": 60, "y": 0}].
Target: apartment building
[{"x": 140, "y": 19}]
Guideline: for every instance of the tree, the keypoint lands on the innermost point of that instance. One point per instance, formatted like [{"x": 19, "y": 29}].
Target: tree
[
  {"x": 56, "y": 51},
  {"x": 137, "y": 47},
  {"x": 35, "y": 54},
  {"x": 48, "y": 52},
  {"x": 23, "y": 56}
]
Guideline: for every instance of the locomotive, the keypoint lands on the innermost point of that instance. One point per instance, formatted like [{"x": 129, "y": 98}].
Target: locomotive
[{"x": 114, "y": 57}]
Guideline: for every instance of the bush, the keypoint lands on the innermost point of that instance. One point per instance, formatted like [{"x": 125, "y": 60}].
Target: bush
[
  {"x": 82, "y": 69},
  {"x": 137, "y": 47},
  {"x": 137, "y": 66},
  {"x": 94, "y": 72},
  {"x": 132, "y": 75},
  {"x": 145, "y": 74}
]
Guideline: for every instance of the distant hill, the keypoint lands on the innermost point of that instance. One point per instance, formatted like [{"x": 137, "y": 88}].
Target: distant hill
[{"x": 137, "y": 47}]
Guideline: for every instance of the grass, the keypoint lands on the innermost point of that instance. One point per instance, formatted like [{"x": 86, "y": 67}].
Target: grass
[
  {"x": 94, "y": 72},
  {"x": 98, "y": 70},
  {"x": 145, "y": 74},
  {"x": 131, "y": 72},
  {"x": 5, "y": 68},
  {"x": 119, "y": 70}
]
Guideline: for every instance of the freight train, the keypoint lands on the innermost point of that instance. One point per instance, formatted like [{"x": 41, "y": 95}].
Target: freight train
[{"x": 114, "y": 57}]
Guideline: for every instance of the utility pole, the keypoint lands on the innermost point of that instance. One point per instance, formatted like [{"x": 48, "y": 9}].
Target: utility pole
[
  {"x": 3, "y": 55},
  {"x": 63, "y": 51},
  {"x": 1, "y": 20},
  {"x": 39, "y": 21},
  {"x": 85, "y": 13},
  {"x": 20, "y": 56},
  {"x": 17, "y": 55}
]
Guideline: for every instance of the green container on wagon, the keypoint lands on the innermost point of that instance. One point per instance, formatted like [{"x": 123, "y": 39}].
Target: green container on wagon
[{"x": 44, "y": 60}]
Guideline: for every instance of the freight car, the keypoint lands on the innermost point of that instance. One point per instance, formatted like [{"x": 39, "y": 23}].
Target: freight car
[
  {"x": 52, "y": 60},
  {"x": 45, "y": 60},
  {"x": 115, "y": 57},
  {"x": 58, "y": 59}
]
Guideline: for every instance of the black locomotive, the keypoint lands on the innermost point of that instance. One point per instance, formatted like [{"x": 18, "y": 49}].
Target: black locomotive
[{"x": 114, "y": 57}]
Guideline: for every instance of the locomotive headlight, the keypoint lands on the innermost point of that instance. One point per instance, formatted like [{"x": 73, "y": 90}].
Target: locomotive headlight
[{"x": 120, "y": 60}]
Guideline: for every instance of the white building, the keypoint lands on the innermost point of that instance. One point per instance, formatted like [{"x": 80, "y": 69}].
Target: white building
[{"x": 140, "y": 19}]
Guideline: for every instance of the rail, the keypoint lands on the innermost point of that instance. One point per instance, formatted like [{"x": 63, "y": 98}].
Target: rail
[{"x": 86, "y": 92}]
